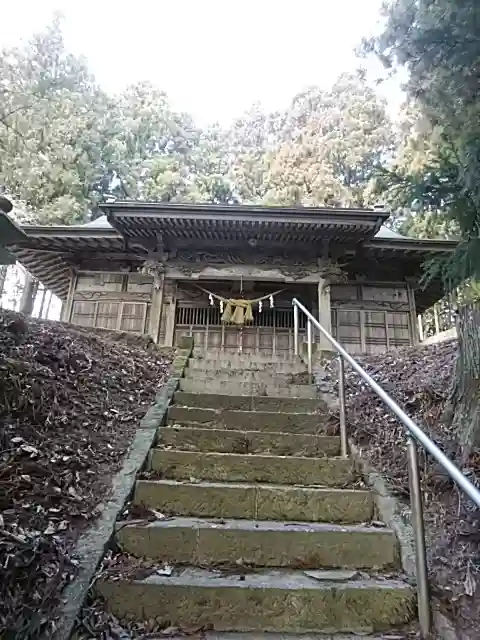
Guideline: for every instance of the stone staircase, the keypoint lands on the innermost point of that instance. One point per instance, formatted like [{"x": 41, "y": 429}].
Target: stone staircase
[{"x": 271, "y": 531}]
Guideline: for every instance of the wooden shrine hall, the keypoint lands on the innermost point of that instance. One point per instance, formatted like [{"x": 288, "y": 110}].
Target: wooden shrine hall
[{"x": 226, "y": 274}]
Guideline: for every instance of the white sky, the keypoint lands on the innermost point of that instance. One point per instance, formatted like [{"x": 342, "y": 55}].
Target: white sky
[{"x": 214, "y": 58}]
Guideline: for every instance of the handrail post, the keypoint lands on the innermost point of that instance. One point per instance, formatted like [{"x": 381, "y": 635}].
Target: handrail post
[
  {"x": 418, "y": 524},
  {"x": 343, "y": 410},
  {"x": 309, "y": 346},
  {"x": 295, "y": 329},
  {"x": 415, "y": 435}
]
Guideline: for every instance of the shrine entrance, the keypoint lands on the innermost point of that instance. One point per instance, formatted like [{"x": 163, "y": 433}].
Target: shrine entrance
[{"x": 270, "y": 331}]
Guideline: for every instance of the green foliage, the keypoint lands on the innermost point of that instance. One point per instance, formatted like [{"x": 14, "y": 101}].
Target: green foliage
[
  {"x": 438, "y": 168},
  {"x": 330, "y": 144},
  {"x": 50, "y": 121},
  {"x": 66, "y": 144}
]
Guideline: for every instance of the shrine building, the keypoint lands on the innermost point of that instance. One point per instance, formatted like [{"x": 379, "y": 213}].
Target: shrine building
[{"x": 227, "y": 274}]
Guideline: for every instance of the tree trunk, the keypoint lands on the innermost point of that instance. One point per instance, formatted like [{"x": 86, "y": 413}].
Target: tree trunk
[
  {"x": 42, "y": 302},
  {"x": 3, "y": 277},
  {"x": 28, "y": 295},
  {"x": 465, "y": 399}
]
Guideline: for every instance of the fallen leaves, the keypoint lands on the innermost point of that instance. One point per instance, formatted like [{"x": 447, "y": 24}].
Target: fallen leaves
[
  {"x": 70, "y": 402},
  {"x": 420, "y": 380}
]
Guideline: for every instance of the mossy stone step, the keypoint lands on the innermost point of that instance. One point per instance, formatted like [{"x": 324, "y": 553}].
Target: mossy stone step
[
  {"x": 249, "y": 403},
  {"x": 211, "y": 543},
  {"x": 244, "y": 375},
  {"x": 255, "y": 501},
  {"x": 283, "y": 601},
  {"x": 232, "y": 467},
  {"x": 235, "y": 441},
  {"x": 271, "y": 366},
  {"x": 251, "y": 420},
  {"x": 239, "y": 388}
]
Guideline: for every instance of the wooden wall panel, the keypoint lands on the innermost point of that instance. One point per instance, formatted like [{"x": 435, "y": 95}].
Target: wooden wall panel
[
  {"x": 369, "y": 318},
  {"x": 115, "y": 301},
  {"x": 139, "y": 283},
  {"x": 134, "y": 317},
  {"x": 100, "y": 282},
  {"x": 384, "y": 294},
  {"x": 83, "y": 313},
  {"x": 107, "y": 315}
]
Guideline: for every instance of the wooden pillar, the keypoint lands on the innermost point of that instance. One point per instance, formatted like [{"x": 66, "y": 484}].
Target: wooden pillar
[
  {"x": 153, "y": 328},
  {"x": 170, "y": 322},
  {"x": 415, "y": 336},
  {"x": 167, "y": 312},
  {"x": 324, "y": 314},
  {"x": 420, "y": 328},
  {"x": 436, "y": 319},
  {"x": 68, "y": 305}
]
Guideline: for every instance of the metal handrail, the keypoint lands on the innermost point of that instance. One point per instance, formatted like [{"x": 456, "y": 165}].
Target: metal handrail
[{"x": 415, "y": 434}]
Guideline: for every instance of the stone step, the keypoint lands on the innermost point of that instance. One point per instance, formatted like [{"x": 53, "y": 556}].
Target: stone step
[
  {"x": 242, "y": 375},
  {"x": 232, "y": 467},
  {"x": 249, "y": 403},
  {"x": 238, "y": 388},
  {"x": 244, "y": 359},
  {"x": 327, "y": 426},
  {"x": 255, "y": 501},
  {"x": 241, "y": 635},
  {"x": 212, "y": 354},
  {"x": 228, "y": 364},
  {"x": 252, "y": 420},
  {"x": 210, "y": 543},
  {"x": 283, "y": 601},
  {"x": 233, "y": 441}
]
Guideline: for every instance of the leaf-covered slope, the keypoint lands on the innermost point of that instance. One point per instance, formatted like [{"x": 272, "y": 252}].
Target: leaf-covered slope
[
  {"x": 70, "y": 402},
  {"x": 420, "y": 379}
]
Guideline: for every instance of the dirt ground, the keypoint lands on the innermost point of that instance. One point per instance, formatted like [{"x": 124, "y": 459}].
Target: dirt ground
[{"x": 70, "y": 402}]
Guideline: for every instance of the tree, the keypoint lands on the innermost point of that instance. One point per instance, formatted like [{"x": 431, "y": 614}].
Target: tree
[
  {"x": 330, "y": 144},
  {"x": 437, "y": 41},
  {"x": 407, "y": 183},
  {"x": 51, "y": 115},
  {"x": 249, "y": 145}
]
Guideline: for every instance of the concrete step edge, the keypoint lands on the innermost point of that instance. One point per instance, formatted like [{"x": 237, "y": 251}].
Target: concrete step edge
[
  {"x": 257, "y": 485},
  {"x": 285, "y": 579},
  {"x": 267, "y": 414},
  {"x": 187, "y": 426},
  {"x": 268, "y": 579},
  {"x": 240, "y": 635},
  {"x": 243, "y": 358},
  {"x": 252, "y": 397},
  {"x": 258, "y": 456},
  {"x": 320, "y": 430},
  {"x": 254, "y": 525}
]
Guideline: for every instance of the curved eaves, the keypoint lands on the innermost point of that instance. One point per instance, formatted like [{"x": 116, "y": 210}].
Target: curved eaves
[{"x": 52, "y": 269}]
